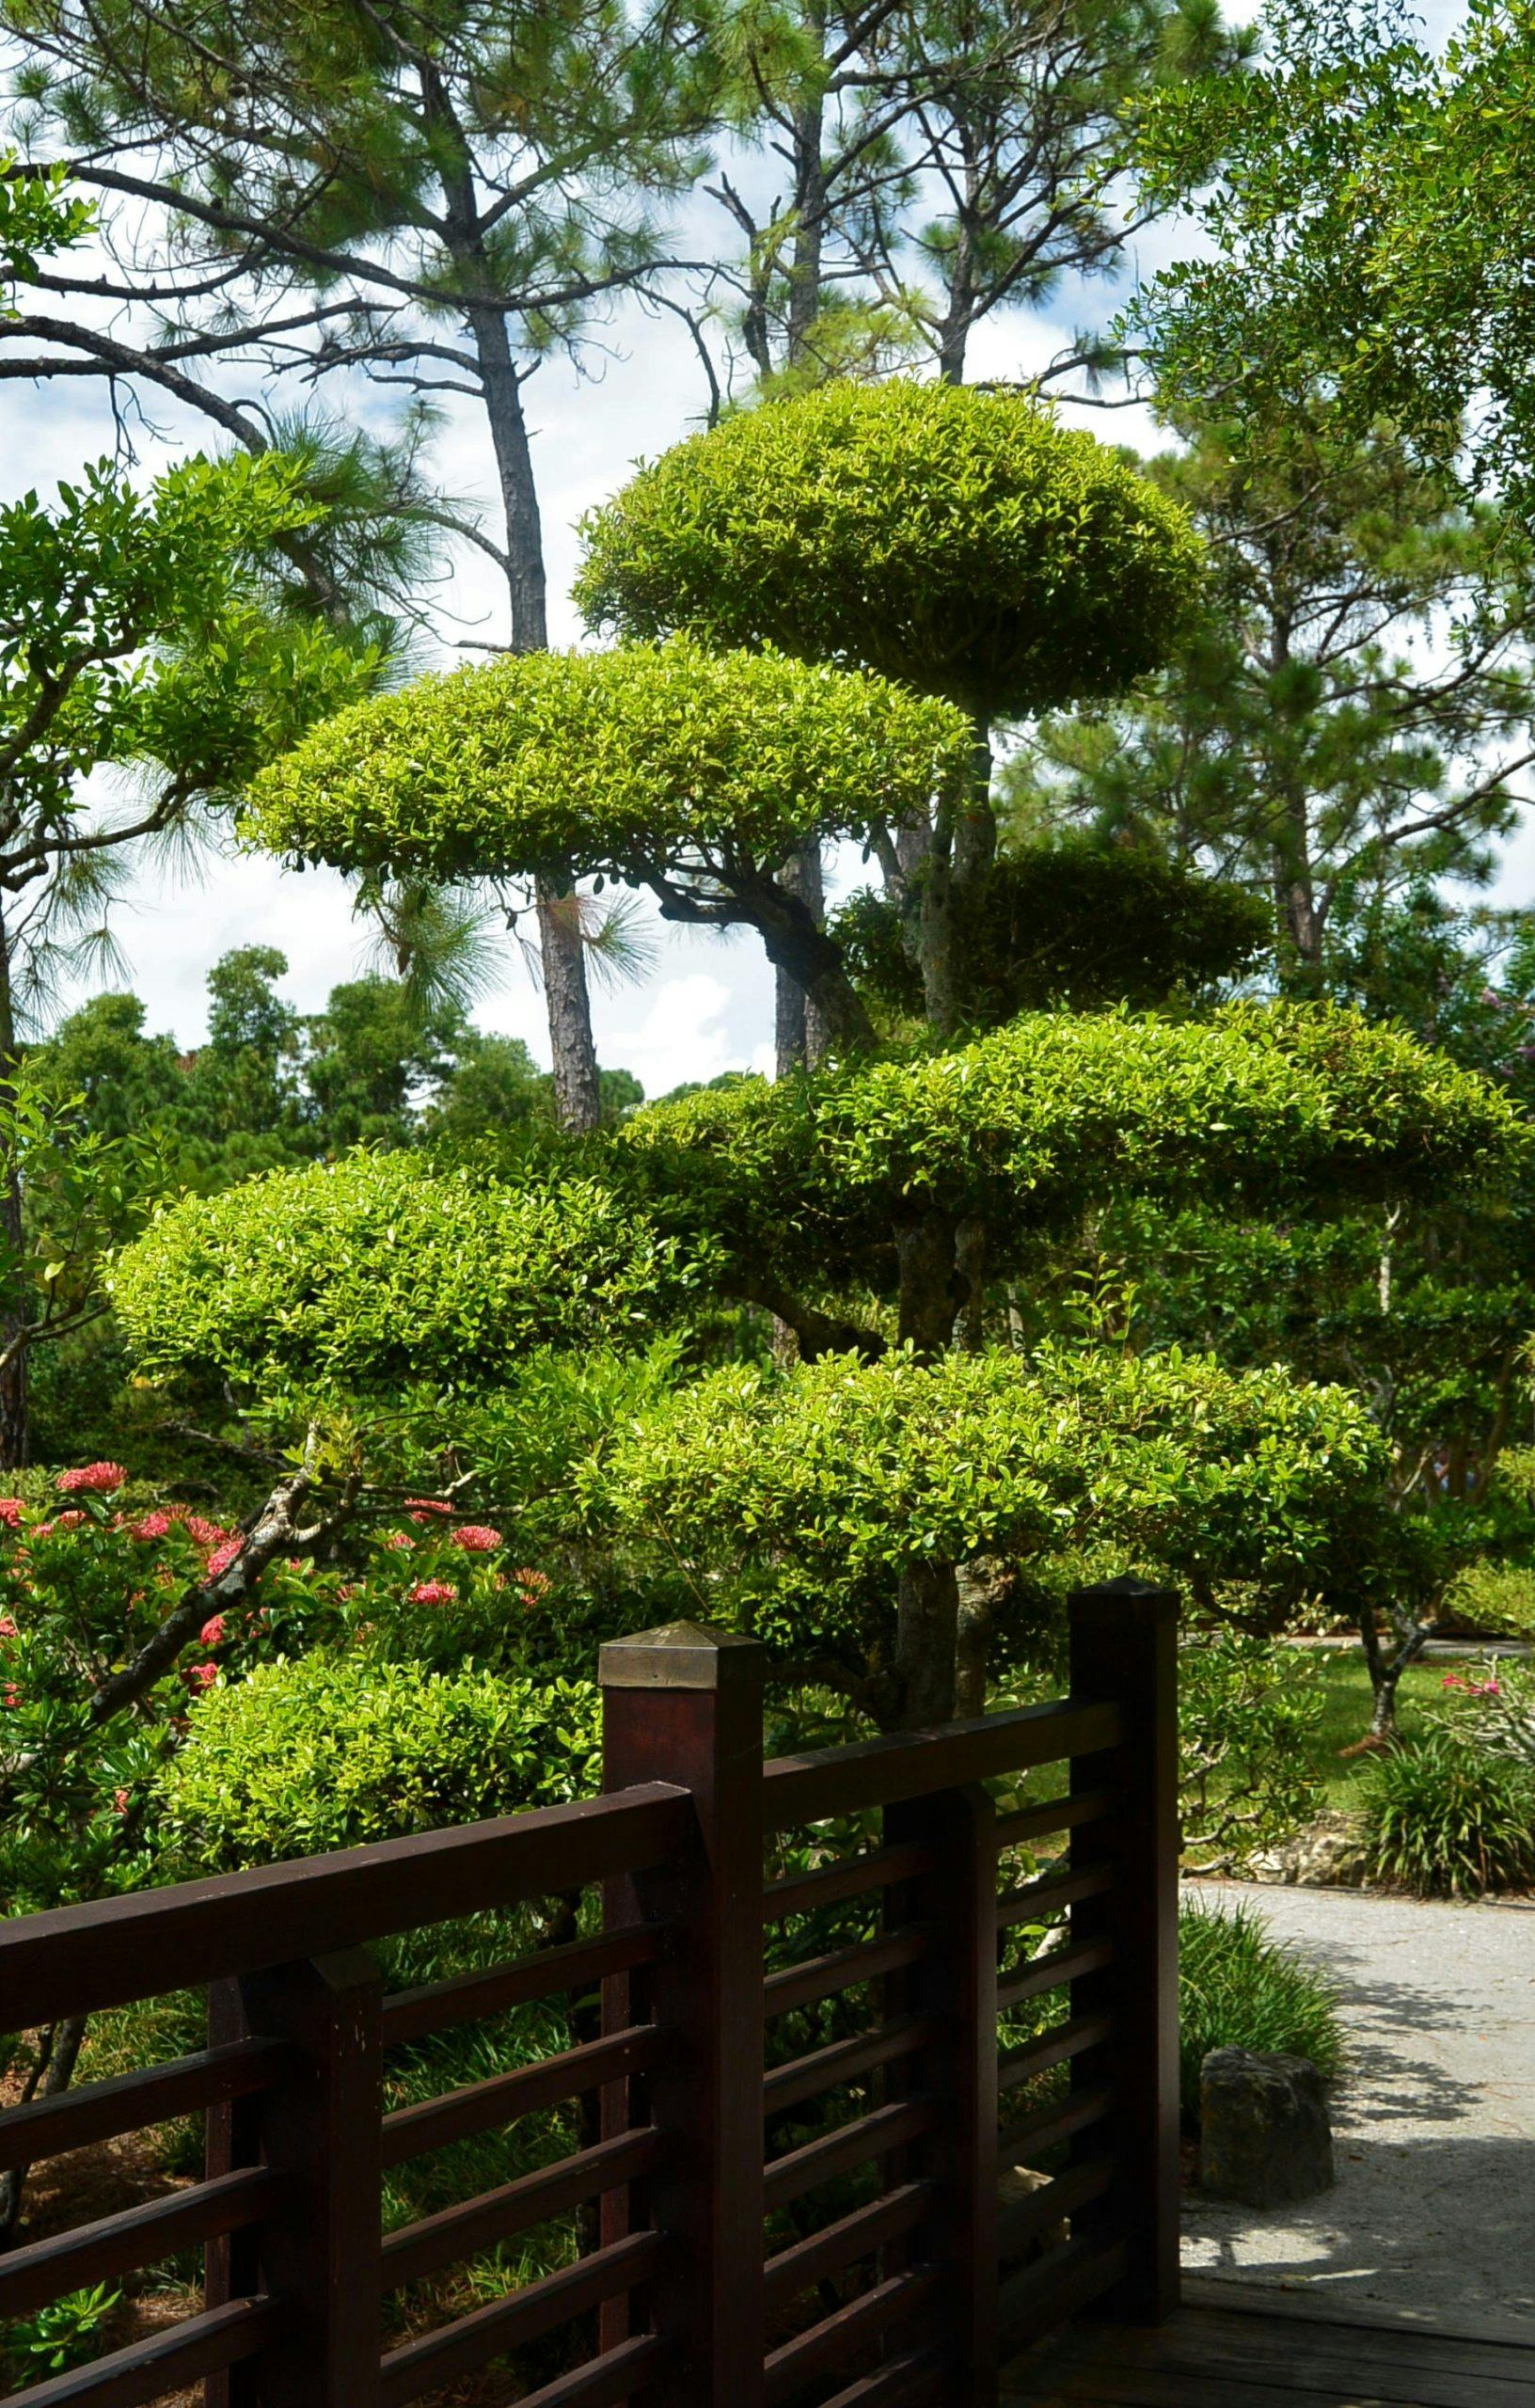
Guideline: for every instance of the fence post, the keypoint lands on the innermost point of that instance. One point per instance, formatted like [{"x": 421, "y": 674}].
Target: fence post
[
  {"x": 1124, "y": 1648},
  {"x": 322, "y": 2124},
  {"x": 683, "y": 1704},
  {"x": 956, "y": 1982}
]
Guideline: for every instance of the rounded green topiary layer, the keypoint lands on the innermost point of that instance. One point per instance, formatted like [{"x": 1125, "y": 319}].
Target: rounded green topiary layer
[
  {"x": 960, "y": 540},
  {"x": 608, "y": 761}
]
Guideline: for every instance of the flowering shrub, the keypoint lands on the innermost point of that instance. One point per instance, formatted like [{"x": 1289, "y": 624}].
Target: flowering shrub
[{"x": 82, "y": 1592}]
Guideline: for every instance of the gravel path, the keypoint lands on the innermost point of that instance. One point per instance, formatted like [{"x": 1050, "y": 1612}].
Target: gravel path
[{"x": 1435, "y": 2203}]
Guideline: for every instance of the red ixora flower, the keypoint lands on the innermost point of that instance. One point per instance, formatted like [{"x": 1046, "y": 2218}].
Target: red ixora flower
[
  {"x": 7, "y": 1628},
  {"x": 206, "y": 1533},
  {"x": 100, "y": 1478},
  {"x": 396, "y": 1540},
  {"x": 477, "y": 1538},
  {"x": 433, "y": 1593},
  {"x": 535, "y": 1583},
  {"x": 11, "y": 1510},
  {"x": 149, "y": 1525},
  {"x": 120, "y": 1801},
  {"x": 9, "y": 1694},
  {"x": 222, "y": 1556},
  {"x": 212, "y": 1633},
  {"x": 200, "y": 1677},
  {"x": 426, "y": 1509}
]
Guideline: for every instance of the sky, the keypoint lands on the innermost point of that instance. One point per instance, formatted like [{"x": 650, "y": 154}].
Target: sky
[{"x": 707, "y": 1005}]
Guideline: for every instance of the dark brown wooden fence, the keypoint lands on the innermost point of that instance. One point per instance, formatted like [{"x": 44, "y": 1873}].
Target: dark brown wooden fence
[{"x": 891, "y": 2275}]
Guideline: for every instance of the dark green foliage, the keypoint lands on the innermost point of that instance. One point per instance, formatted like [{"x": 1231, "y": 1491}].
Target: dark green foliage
[
  {"x": 1073, "y": 925},
  {"x": 1239, "y": 1989},
  {"x": 1448, "y": 1819}
]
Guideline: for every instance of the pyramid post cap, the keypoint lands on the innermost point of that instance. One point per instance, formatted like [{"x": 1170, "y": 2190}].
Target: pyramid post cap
[{"x": 679, "y": 1655}]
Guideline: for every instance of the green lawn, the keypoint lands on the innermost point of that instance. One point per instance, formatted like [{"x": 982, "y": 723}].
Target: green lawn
[{"x": 1345, "y": 1685}]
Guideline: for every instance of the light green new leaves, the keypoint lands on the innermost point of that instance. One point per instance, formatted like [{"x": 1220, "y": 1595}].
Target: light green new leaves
[
  {"x": 958, "y": 540},
  {"x": 332, "y": 1751},
  {"x": 1028, "y": 1125},
  {"x": 371, "y": 1273},
  {"x": 614, "y": 762},
  {"x": 818, "y": 1481}
]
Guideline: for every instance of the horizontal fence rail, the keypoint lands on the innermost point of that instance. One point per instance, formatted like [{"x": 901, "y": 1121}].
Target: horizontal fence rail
[{"x": 828, "y": 2083}]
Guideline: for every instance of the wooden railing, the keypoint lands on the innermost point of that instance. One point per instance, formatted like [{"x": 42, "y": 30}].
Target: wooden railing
[{"x": 906, "y": 2032}]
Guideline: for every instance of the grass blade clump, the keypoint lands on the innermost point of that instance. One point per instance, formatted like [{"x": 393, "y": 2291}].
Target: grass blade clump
[
  {"x": 1448, "y": 1820},
  {"x": 1240, "y": 1989}
]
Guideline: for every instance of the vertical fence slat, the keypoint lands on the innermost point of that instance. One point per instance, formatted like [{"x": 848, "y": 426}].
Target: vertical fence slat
[
  {"x": 958, "y": 1983},
  {"x": 325, "y": 2123},
  {"x": 1124, "y": 1647},
  {"x": 684, "y": 1704}
]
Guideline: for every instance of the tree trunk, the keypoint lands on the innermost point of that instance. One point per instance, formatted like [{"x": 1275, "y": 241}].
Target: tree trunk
[
  {"x": 1385, "y": 1670},
  {"x": 58, "y": 2072},
  {"x": 799, "y": 1025},
  {"x": 14, "y": 1429},
  {"x": 926, "y": 1628},
  {"x": 961, "y": 853},
  {"x": 577, "y": 1098},
  {"x": 566, "y": 996},
  {"x": 929, "y": 1291},
  {"x": 810, "y": 219}
]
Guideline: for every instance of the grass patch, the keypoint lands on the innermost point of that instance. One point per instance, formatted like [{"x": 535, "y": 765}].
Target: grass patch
[
  {"x": 1239, "y": 1988},
  {"x": 1344, "y": 1682}
]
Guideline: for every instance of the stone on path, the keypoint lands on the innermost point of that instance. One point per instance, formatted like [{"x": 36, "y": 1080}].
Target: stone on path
[{"x": 1265, "y": 2136}]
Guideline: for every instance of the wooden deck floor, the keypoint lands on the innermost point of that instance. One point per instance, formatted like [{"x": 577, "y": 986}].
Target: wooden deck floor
[{"x": 1234, "y": 2348}]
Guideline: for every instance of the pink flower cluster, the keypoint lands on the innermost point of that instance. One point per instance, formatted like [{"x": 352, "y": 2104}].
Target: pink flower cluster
[
  {"x": 476, "y": 1538},
  {"x": 7, "y": 1628},
  {"x": 426, "y": 1509},
  {"x": 433, "y": 1593},
  {"x": 151, "y": 1526},
  {"x": 397, "y": 1541},
  {"x": 11, "y": 1510},
  {"x": 200, "y": 1677},
  {"x": 222, "y": 1556},
  {"x": 1472, "y": 1688},
  {"x": 97, "y": 1479}
]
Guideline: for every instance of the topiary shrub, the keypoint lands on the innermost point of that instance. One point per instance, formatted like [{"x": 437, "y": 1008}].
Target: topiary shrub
[
  {"x": 959, "y": 541},
  {"x": 1238, "y": 1987},
  {"x": 334, "y": 1750},
  {"x": 372, "y": 1270},
  {"x": 1446, "y": 1819}
]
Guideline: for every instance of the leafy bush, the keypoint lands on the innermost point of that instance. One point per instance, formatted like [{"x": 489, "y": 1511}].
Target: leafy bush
[
  {"x": 608, "y": 759},
  {"x": 1447, "y": 1820},
  {"x": 86, "y": 1579},
  {"x": 66, "y": 2333},
  {"x": 1494, "y": 1597},
  {"x": 335, "y": 1750},
  {"x": 1238, "y": 1987},
  {"x": 1496, "y": 1712},
  {"x": 1073, "y": 923},
  {"x": 371, "y": 1270},
  {"x": 811, "y": 1487},
  {"x": 1246, "y": 1711},
  {"x": 958, "y": 540}
]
